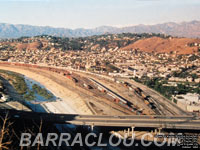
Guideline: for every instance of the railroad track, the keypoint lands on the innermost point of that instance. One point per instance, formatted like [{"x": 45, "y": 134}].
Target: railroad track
[
  {"x": 165, "y": 106},
  {"x": 162, "y": 108}
]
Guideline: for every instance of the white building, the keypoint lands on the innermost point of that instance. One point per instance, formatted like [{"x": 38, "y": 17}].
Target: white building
[{"x": 189, "y": 102}]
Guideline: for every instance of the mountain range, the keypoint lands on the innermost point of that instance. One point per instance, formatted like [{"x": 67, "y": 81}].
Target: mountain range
[{"x": 184, "y": 29}]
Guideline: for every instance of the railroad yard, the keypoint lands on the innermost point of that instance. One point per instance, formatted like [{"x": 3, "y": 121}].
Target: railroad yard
[{"x": 90, "y": 94}]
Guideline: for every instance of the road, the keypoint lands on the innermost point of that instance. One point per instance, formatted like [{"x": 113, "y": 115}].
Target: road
[{"x": 165, "y": 122}]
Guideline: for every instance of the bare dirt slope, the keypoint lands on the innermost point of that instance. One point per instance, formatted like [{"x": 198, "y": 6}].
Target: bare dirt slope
[
  {"x": 160, "y": 45},
  {"x": 29, "y": 46}
]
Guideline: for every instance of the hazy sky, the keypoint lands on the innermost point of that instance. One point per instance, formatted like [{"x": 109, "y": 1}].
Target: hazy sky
[{"x": 94, "y": 13}]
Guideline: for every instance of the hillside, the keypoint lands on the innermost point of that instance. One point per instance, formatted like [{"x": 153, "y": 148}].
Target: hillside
[
  {"x": 145, "y": 42},
  {"x": 184, "y": 29},
  {"x": 106, "y": 42},
  {"x": 160, "y": 45}
]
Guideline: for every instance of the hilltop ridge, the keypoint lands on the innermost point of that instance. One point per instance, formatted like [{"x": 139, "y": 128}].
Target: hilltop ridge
[
  {"x": 160, "y": 45},
  {"x": 184, "y": 29},
  {"x": 157, "y": 43}
]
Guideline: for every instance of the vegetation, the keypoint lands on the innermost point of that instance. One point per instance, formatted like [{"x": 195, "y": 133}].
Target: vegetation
[
  {"x": 180, "y": 74},
  {"x": 137, "y": 79},
  {"x": 185, "y": 72},
  {"x": 158, "y": 84},
  {"x": 20, "y": 86},
  {"x": 107, "y": 41},
  {"x": 7, "y": 47},
  {"x": 30, "y": 96},
  {"x": 193, "y": 58},
  {"x": 103, "y": 41},
  {"x": 12, "y": 128},
  {"x": 17, "y": 81},
  {"x": 111, "y": 68},
  {"x": 42, "y": 91}
]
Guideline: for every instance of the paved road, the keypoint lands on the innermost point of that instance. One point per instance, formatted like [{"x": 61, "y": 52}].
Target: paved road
[{"x": 166, "y": 122}]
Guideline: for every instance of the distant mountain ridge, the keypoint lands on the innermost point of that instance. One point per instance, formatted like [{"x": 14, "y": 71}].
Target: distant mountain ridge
[{"x": 184, "y": 29}]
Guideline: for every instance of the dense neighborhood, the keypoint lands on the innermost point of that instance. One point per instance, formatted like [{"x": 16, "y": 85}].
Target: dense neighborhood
[{"x": 176, "y": 76}]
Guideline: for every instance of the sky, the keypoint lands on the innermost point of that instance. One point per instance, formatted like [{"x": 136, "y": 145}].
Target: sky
[{"x": 94, "y": 13}]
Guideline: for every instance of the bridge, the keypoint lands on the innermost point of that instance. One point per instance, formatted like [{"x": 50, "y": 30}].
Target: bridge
[{"x": 134, "y": 121}]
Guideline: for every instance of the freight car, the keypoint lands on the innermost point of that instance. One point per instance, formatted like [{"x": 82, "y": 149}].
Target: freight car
[
  {"x": 144, "y": 96},
  {"x": 87, "y": 86},
  {"x": 74, "y": 79},
  {"x": 53, "y": 69},
  {"x": 101, "y": 89},
  {"x": 5, "y": 63},
  {"x": 68, "y": 76},
  {"x": 126, "y": 84},
  {"x": 138, "y": 90},
  {"x": 146, "y": 102},
  {"x": 118, "y": 98}
]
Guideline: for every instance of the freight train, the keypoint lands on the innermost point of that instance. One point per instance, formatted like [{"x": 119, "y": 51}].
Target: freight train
[
  {"x": 57, "y": 70},
  {"x": 116, "y": 98},
  {"x": 52, "y": 69},
  {"x": 146, "y": 98}
]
